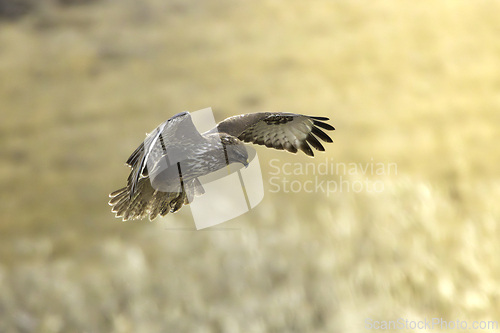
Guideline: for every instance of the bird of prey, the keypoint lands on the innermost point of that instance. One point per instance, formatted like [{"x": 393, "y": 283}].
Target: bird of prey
[{"x": 166, "y": 166}]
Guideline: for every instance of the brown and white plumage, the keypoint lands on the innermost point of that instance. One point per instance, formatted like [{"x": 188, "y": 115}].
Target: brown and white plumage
[
  {"x": 279, "y": 130},
  {"x": 155, "y": 187}
]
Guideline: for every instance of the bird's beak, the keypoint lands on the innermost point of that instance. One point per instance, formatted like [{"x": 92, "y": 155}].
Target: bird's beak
[{"x": 246, "y": 163}]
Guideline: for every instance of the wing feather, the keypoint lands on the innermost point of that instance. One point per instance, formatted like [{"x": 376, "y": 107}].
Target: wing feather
[
  {"x": 323, "y": 125},
  {"x": 320, "y": 134},
  {"x": 305, "y": 148},
  {"x": 314, "y": 142}
]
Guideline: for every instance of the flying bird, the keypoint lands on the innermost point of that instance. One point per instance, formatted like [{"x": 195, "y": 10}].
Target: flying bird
[{"x": 166, "y": 166}]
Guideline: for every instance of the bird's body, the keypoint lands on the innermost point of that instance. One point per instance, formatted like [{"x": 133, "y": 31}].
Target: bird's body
[{"x": 166, "y": 166}]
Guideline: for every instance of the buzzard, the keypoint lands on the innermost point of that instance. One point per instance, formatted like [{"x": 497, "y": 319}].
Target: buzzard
[{"x": 166, "y": 166}]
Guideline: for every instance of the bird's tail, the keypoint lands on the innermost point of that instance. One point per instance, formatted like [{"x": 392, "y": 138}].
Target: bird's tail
[{"x": 148, "y": 201}]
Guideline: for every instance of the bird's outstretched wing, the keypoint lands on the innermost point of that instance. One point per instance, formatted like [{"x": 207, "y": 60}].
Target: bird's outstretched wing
[
  {"x": 175, "y": 137},
  {"x": 279, "y": 130}
]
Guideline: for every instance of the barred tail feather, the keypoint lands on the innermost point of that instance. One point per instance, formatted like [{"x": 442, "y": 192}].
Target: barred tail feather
[{"x": 150, "y": 202}]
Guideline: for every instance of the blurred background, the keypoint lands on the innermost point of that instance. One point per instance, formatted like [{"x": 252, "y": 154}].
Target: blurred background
[{"x": 411, "y": 83}]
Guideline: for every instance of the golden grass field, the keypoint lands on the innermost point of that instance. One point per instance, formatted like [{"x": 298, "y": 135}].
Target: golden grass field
[{"x": 411, "y": 83}]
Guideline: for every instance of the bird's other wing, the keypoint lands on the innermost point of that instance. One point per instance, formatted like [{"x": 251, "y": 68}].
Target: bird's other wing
[
  {"x": 175, "y": 135},
  {"x": 279, "y": 130}
]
